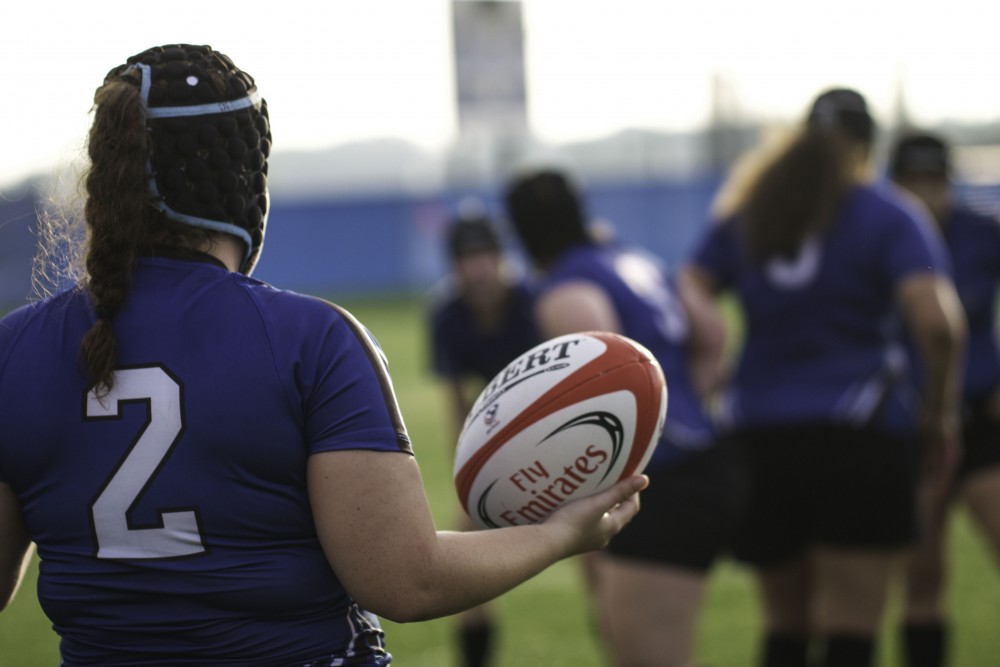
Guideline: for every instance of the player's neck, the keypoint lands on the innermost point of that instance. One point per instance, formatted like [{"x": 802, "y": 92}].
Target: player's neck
[{"x": 227, "y": 249}]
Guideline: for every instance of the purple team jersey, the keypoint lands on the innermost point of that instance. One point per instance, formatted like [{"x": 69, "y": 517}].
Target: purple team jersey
[
  {"x": 459, "y": 347},
  {"x": 974, "y": 243},
  {"x": 823, "y": 341},
  {"x": 171, "y": 515},
  {"x": 650, "y": 312}
]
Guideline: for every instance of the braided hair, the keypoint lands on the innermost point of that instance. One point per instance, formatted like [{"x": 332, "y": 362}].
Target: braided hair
[{"x": 178, "y": 152}]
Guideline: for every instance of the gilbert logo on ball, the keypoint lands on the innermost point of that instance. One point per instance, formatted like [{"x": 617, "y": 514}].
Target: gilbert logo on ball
[{"x": 564, "y": 420}]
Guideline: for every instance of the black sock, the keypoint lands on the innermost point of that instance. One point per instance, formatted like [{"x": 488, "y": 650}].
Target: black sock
[
  {"x": 924, "y": 644},
  {"x": 785, "y": 650},
  {"x": 475, "y": 642},
  {"x": 848, "y": 651}
]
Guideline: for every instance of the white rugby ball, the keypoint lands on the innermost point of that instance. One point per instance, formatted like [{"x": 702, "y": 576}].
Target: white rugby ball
[{"x": 564, "y": 420}]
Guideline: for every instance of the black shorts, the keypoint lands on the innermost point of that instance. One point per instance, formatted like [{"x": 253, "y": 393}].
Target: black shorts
[
  {"x": 690, "y": 511},
  {"x": 826, "y": 485},
  {"x": 980, "y": 439}
]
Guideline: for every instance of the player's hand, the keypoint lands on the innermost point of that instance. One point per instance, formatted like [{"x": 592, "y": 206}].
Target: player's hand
[{"x": 593, "y": 521}]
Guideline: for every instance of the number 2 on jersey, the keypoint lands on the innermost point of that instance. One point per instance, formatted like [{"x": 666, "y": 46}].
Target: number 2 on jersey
[{"x": 179, "y": 533}]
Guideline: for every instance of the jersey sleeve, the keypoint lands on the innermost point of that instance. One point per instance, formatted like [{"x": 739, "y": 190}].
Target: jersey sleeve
[
  {"x": 348, "y": 397},
  {"x": 912, "y": 245}
]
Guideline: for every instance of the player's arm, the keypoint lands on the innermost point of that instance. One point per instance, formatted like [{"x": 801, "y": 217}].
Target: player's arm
[
  {"x": 699, "y": 291},
  {"x": 375, "y": 525},
  {"x": 935, "y": 319},
  {"x": 575, "y": 306},
  {"x": 14, "y": 545},
  {"x": 697, "y": 278},
  {"x": 707, "y": 340}
]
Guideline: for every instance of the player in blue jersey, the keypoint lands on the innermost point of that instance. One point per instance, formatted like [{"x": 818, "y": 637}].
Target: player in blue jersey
[
  {"x": 822, "y": 264},
  {"x": 922, "y": 165},
  {"x": 480, "y": 320},
  {"x": 482, "y": 317},
  {"x": 215, "y": 471},
  {"x": 649, "y": 582}
]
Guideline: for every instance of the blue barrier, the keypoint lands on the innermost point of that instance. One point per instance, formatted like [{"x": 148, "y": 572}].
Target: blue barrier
[
  {"x": 393, "y": 243},
  {"x": 18, "y": 225}
]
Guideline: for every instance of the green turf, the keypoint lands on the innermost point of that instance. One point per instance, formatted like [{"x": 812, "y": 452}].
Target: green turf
[{"x": 546, "y": 621}]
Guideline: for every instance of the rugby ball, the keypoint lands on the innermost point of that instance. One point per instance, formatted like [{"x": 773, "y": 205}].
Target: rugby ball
[{"x": 564, "y": 420}]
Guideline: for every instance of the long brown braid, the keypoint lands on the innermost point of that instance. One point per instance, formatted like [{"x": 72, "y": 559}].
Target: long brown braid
[
  {"x": 118, "y": 216},
  {"x": 178, "y": 151}
]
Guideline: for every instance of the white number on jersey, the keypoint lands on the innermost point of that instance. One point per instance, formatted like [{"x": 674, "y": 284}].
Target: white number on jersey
[
  {"x": 178, "y": 533},
  {"x": 796, "y": 273}
]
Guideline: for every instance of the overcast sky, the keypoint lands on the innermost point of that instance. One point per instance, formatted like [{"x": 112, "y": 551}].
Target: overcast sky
[{"x": 335, "y": 71}]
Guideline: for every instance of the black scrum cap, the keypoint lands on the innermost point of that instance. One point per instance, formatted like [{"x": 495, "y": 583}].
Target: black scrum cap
[
  {"x": 920, "y": 155},
  {"x": 210, "y": 140},
  {"x": 469, "y": 234}
]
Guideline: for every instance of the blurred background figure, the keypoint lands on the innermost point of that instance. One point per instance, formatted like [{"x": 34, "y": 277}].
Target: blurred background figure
[
  {"x": 480, "y": 321},
  {"x": 921, "y": 164},
  {"x": 650, "y": 580},
  {"x": 820, "y": 261},
  {"x": 482, "y": 317}
]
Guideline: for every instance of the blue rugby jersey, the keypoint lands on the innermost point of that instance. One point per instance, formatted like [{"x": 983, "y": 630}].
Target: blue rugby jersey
[
  {"x": 171, "y": 516},
  {"x": 973, "y": 240},
  {"x": 650, "y": 312},
  {"x": 823, "y": 339},
  {"x": 459, "y": 347}
]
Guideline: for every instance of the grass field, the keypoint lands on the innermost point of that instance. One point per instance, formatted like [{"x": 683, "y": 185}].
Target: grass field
[{"x": 546, "y": 621}]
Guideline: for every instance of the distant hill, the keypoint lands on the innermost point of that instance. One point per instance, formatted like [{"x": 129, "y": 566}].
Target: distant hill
[
  {"x": 380, "y": 166},
  {"x": 393, "y": 166}
]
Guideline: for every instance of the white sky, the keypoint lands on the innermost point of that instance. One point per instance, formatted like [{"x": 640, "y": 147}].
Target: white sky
[{"x": 343, "y": 70}]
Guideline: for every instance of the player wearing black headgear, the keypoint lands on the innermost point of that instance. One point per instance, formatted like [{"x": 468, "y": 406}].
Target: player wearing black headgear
[
  {"x": 921, "y": 163},
  {"x": 215, "y": 471},
  {"x": 480, "y": 319},
  {"x": 209, "y": 140}
]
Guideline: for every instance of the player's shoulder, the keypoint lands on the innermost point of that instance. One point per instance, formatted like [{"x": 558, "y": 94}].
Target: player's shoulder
[
  {"x": 889, "y": 210},
  {"x": 269, "y": 296},
  {"x": 443, "y": 295},
  {"x": 290, "y": 311},
  {"x": 13, "y": 321},
  {"x": 580, "y": 260},
  {"x": 18, "y": 320},
  {"x": 25, "y": 325},
  {"x": 968, "y": 217},
  {"x": 523, "y": 291},
  {"x": 444, "y": 302},
  {"x": 887, "y": 199},
  {"x": 14, "y": 327}
]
